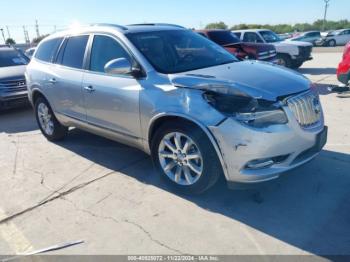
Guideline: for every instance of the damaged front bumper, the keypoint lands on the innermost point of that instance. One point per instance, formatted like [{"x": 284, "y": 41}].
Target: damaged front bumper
[{"x": 252, "y": 155}]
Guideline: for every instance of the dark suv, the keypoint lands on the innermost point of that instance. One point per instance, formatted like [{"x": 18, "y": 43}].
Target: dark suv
[
  {"x": 228, "y": 40},
  {"x": 13, "y": 89}
]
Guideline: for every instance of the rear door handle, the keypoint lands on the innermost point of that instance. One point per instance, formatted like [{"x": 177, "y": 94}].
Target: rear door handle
[{"x": 89, "y": 89}]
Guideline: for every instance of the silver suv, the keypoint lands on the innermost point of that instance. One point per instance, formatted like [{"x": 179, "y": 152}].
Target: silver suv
[{"x": 195, "y": 108}]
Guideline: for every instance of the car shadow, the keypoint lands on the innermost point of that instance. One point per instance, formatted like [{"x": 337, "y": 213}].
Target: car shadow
[
  {"x": 17, "y": 120},
  {"x": 307, "y": 208},
  {"x": 318, "y": 71}
]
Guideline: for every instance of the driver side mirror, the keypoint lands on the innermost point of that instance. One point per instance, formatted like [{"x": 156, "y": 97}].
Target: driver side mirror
[{"x": 120, "y": 66}]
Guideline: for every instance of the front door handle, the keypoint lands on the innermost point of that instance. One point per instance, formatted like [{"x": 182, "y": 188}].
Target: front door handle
[{"x": 89, "y": 89}]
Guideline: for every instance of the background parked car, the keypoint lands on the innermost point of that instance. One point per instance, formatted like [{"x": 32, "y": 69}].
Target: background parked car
[
  {"x": 343, "y": 71},
  {"x": 291, "y": 54},
  {"x": 228, "y": 40},
  {"x": 310, "y": 37},
  {"x": 333, "y": 38},
  {"x": 13, "y": 89}
]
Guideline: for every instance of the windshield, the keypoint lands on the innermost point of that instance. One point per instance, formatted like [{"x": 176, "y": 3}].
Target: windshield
[
  {"x": 175, "y": 51},
  {"x": 223, "y": 37},
  {"x": 270, "y": 37},
  {"x": 10, "y": 57}
]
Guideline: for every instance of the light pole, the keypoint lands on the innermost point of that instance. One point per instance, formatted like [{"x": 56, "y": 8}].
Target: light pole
[
  {"x": 3, "y": 36},
  {"x": 326, "y": 2}
]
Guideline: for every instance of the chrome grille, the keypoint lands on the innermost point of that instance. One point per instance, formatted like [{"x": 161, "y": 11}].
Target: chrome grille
[
  {"x": 10, "y": 86},
  {"x": 306, "y": 109}
]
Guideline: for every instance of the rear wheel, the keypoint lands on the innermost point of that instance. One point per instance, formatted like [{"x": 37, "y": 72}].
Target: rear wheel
[
  {"x": 185, "y": 158},
  {"x": 48, "y": 124},
  {"x": 284, "y": 60}
]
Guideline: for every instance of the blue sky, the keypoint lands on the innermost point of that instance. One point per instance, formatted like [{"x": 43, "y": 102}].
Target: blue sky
[{"x": 190, "y": 13}]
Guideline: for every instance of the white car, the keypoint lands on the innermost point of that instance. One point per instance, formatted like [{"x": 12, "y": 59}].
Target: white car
[
  {"x": 334, "y": 38},
  {"x": 291, "y": 54}
]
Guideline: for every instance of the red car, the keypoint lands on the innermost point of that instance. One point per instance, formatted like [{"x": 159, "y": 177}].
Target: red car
[
  {"x": 343, "y": 71},
  {"x": 228, "y": 40}
]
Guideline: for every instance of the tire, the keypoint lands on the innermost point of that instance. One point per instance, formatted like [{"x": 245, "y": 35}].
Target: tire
[
  {"x": 208, "y": 162},
  {"x": 47, "y": 122},
  {"x": 296, "y": 65},
  {"x": 332, "y": 43},
  {"x": 284, "y": 60}
]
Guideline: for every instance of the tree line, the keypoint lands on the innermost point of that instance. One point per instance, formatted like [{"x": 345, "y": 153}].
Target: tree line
[{"x": 286, "y": 28}]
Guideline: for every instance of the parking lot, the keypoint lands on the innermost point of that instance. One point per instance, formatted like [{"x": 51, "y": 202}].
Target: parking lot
[{"x": 108, "y": 195}]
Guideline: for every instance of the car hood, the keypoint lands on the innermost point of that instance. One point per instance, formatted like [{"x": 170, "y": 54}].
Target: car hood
[
  {"x": 294, "y": 43},
  {"x": 12, "y": 72},
  {"x": 247, "y": 78}
]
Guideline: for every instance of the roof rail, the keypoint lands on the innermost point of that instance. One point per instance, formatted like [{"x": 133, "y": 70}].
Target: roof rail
[
  {"x": 157, "y": 24},
  {"x": 112, "y": 25}
]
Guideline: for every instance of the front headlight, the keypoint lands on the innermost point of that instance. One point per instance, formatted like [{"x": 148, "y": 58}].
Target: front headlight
[
  {"x": 262, "y": 118},
  {"x": 249, "y": 111}
]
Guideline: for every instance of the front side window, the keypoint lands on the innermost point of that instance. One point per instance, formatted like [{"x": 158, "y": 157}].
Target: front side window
[
  {"x": 47, "y": 50},
  {"x": 174, "y": 51},
  {"x": 251, "y": 37},
  {"x": 11, "y": 57},
  {"x": 74, "y": 51},
  {"x": 105, "y": 49},
  {"x": 270, "y": 37}
]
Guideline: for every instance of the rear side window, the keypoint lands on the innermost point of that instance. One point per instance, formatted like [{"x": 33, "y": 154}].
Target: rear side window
[
  {"x": 74, "y": 51},
  {"x": 105, "y": 49},
  {"x": 48, "y": 49}
]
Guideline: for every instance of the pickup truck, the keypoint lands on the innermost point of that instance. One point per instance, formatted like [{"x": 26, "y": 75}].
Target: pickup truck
[
  {"x": 291, "y": 54},
  {"x": 228, "y": 40}
]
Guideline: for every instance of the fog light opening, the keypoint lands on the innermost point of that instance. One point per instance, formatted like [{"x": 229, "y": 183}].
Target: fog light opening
[
  {"x": 265, "y": 162},
  {"x": 260, "y": 163}
]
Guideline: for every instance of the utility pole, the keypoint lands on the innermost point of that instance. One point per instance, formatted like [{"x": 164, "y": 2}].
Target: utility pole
[
  {"x": 37, "y": 28},
  {"x": 8, "y": 32},
  {"x": 26, "y": 36},
  {"x": 3, "y": 35},
  {"x": 326, "y": 2}
]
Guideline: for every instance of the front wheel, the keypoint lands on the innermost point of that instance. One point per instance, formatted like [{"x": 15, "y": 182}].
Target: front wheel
[
  {"x": 48, "y": 124},
  {"x": 332, "y": 43},
  {"x": 284, "y": 60},
  {"x": 185, "y": 158},
  {"x": 296, "y": 65}
]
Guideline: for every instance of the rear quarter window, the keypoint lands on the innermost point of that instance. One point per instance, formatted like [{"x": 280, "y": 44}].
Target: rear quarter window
[{"x": 47, "y": 50}]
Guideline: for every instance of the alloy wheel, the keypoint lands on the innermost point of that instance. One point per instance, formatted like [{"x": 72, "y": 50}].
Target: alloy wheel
[
  {"x": 45, "y": 119},
  {"x": 180, "y": 158}
]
